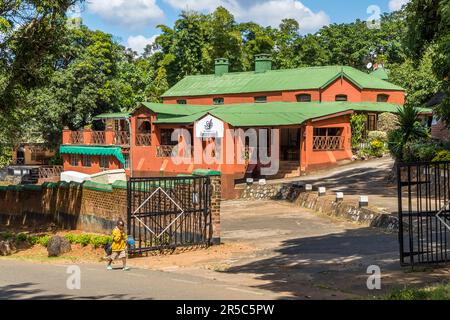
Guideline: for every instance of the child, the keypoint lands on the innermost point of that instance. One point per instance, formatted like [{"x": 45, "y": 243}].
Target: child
[{"x": 119, "y": 244}]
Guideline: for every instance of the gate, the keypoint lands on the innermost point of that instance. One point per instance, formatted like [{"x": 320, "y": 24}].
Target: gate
[
  {"x": 424, "y": 213},
  {"x": 169, "y": 212}
]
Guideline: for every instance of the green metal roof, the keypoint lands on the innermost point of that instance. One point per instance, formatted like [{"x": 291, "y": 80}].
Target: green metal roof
[
  {"x": 274, "y": 80},
  {"x": 279, "y": 113},
  {"x": 114, "y": 115},
  {"x": 175, "y": 109},
  {"x": 381, "y": 73},
  {"x": 93, "y": 150}
]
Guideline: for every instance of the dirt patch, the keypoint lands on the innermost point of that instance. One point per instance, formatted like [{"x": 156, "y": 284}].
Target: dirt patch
[
  {"x": 213, "y": 257},
  {"x": 78, "y": 254}
]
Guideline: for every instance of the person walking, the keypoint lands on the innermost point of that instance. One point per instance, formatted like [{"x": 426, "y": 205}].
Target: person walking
[{"x": 118, "y": 246}]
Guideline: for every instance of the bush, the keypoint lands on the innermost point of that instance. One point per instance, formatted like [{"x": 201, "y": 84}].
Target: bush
[
  {"x": 387, "y": 122},
  {"x": 100, "y": 241},
  {"x": 22, "y": 237},
  {"x": 443, "y": 155},
  {"x": 377, "y": 148},
  {"x": 419, "y": 151},
  {"x": 377, "y": 135},
  {"x": 43, "y": 240},
  {"x": 84, "y": 239},
  {"x": 357, "y": 123}
]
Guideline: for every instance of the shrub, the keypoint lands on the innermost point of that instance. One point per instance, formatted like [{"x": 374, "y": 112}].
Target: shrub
[
  {"x": 357, "y": 123},
  {"x": 387, "y": 122},
  {"x": 22, "y": 237},
  {"x": 100, "y": 241},
  {"x": 43, "y": 240},
  {"x": 83, "y": 239},
  {"x": 419, "y": 151},
  {"x": 6, "y": 235},
  {"x": 377, "y": 135},
  {"x": 70, "y": 237},
  {"x": 377, "y": 148},
  {"x": 443, "y": 155}
]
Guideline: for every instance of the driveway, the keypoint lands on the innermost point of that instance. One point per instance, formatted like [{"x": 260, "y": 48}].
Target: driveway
[{"x": 305, "y": 255}]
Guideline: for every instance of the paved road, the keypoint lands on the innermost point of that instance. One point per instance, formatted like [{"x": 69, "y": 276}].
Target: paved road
[
  {"x": 25, "y": 280},
  {"x": 297, "y": 254}
]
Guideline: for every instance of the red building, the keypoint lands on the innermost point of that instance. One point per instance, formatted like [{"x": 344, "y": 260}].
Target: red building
[{"x": 306, "y": 111}]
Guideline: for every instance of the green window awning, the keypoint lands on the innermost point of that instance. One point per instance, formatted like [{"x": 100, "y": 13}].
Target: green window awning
[{"x": 93, "y": 151}]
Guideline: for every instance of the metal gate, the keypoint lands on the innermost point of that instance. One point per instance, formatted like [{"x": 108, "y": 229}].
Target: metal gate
[
  {"x": 424, "y": 213},
  {"x": 169, "y": 212}
]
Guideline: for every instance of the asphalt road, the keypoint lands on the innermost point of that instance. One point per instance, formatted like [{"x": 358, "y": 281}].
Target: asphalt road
[{"x": 25, "y": 280}]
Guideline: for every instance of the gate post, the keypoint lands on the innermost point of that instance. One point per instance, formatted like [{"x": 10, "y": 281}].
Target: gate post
[{"x": 216, "y": 197}]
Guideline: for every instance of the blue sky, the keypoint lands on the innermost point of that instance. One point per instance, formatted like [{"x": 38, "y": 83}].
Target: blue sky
[{"x": 134, "y": 22}]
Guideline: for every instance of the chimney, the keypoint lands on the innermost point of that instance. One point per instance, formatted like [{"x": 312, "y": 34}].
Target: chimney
[
  {"x": 263, "y": 62},
  {"x": 221, "y": 66}
]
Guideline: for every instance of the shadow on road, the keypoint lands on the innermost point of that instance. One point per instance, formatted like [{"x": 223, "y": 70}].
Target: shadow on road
[
  {"x": 26, "y": 290},
  {"x": 334, "y": 265}
]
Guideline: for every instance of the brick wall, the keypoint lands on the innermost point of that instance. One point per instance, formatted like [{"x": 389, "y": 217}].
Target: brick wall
[{"x": 69, "y": 206}]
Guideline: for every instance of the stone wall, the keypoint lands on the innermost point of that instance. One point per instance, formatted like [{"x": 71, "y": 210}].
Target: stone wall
[{"x": 295, "y": 193}]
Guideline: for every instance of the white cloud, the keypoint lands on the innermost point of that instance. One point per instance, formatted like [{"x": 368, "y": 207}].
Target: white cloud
[
  {"x": 395, "y": 5},
  {"x": 130, "y": 13},
  {"x": 268, "y": 12},
  {"x": 138, "y": 43}
]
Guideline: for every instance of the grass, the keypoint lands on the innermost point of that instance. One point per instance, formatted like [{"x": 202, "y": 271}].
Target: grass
[{"x": 437, "y": 292}]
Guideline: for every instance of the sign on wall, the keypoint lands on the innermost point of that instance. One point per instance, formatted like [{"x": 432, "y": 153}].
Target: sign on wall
[{"x": 209, "y": 127}]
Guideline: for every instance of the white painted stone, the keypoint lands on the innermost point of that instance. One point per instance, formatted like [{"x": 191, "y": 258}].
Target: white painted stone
[
  {"x": 322, "y": 191},
  {"x": 262, "y": 182},
  {"x": 249, "y": 180},
  {"x": 339, "y": 196},
  {"x": 363, "y": 201},
  {"x": 308, "y": 187}
]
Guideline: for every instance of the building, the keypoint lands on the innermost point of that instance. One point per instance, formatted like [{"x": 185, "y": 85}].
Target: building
[
  {"x": 32, "y": 154},
  {"x": 306, "y": 110},
  {"x": 439, "y": 131}
]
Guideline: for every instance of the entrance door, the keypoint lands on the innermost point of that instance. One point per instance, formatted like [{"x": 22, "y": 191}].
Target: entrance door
[
  {"x": 290, "y": 144},
  {"x": 20, "y": 156}
]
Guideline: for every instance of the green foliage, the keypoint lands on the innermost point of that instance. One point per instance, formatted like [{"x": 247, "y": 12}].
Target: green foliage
[
  {"x": 43, "y": 240},
  {"x": 443, "y": 155},
  {"x": 377, "y": 148},
  {"x": 409, "y": 129},
  {"x": 357, "y": 123},
  {"x": 86, "y": 239},
  {"x": 414, "y": 151},
  {"x": 429, "y": 26},
  {"x": 439, "y": 292}
]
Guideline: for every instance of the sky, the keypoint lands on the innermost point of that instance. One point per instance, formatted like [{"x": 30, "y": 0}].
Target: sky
[{"x": 134, "y": 22}]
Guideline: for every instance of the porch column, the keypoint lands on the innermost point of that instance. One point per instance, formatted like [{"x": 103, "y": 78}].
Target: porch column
[
  {"x": 66, "y": 135},
  {"x": 308, "y": 141},
  {"x": 87, "y": 136},
  {"x": 109, "y": 135}
]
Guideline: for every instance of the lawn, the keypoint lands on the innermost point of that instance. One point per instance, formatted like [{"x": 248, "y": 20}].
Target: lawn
[{"x": 437, "y": 292}]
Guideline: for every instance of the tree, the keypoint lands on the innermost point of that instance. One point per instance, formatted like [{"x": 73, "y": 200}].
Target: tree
[{"x": 429, "y": 24}]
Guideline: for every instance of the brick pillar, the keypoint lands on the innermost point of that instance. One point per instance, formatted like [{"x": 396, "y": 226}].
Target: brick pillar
[
  {"x": 216, "y": 198},
  {"x": 87, "y": 136},
  {"x": 109, "y": 135},
  {"x": 66, "y": 136}
]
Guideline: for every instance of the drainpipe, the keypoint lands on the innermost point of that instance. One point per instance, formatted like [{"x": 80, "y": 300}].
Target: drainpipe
[{"x": 131, "y": 146}]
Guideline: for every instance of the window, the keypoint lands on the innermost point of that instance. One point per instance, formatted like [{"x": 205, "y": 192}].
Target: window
[
  {"x": 144, "y": 126},
  {"x": 371, "y": 122},
  {"x": 126, "y": 165},
  {"x": 327, "y": 132},
  {"x": 74, "y": 159},
  {"x": 181, "y": 101},
  {"x": 261, "y": 99},
  {"x": 218, "y": 101},
  {"x": 86, "y": 161},
  {"x": 341, "y": 97},
  {"x": 166, "y": 137},
  {"x": 382, "y": 98},
  {"x": 104, "y": 162},
  {"x": 304, "y": 97}
]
